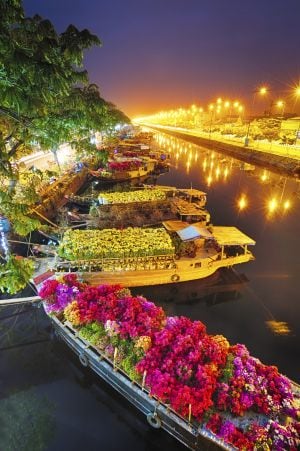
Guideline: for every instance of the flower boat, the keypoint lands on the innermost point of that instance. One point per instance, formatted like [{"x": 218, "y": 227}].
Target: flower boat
[
  {"x": 125, "y": 169},
  {"x": 141, "y": 206},
  {"x": 194, "y": 385},
  {"x": 177, "y": 252}
]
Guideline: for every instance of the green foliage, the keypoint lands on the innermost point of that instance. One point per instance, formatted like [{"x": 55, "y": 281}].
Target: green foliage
[
  {"x": 15, "y": 274},
  {"x": 45, "y": 97},
  {"x": 128, "y": 355},
  {"x": 132, "y": 356},
  {"x": 128, "y": 365},
  {"x": 17, "y": 213},
  {"x": 228, "y": 369},
  {"x": 92, "y": 332}
]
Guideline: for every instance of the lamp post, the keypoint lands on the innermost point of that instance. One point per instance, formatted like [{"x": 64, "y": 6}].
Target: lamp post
[
  {"x": 263, "y": 90},
  {"x": 211, "y": 108},
  {"x": 281, "y": 104}
]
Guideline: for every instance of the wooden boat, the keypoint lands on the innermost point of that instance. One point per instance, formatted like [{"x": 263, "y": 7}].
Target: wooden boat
[
  {"x": 192, "y": 434},
  {"x": 147, "y": 168},
  {"x": 158, "y": 415},
  {"x": 186, "y": 204},
  {"x": 204, "y": 253}
]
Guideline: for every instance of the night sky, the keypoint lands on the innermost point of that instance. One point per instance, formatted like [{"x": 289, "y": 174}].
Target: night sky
[{"x": 160, "y": 54}]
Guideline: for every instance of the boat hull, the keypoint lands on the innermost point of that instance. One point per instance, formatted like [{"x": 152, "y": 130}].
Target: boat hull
[{"x": 185, "y": 270}]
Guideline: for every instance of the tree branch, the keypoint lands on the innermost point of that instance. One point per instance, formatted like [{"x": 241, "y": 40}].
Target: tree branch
[{"x": 14, "y": 148}]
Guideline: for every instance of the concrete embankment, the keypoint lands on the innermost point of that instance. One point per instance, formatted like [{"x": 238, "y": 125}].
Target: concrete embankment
[{"x": 277, "y": 163}]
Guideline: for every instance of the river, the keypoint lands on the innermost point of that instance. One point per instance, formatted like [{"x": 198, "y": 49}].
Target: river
[{"x": 49, "y": 402}]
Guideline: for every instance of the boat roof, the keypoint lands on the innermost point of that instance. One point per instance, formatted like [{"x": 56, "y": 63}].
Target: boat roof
[
  {"x": 192, "y": 192},
  {"x": 160, "y": 187},
  {"x": 231, "y": 236},
  {"x": 186, "y": 208},
  {"x": 194, "y": 231},
  {"x": 224, "y": 235},
  {"x": 174, "y": 226}
]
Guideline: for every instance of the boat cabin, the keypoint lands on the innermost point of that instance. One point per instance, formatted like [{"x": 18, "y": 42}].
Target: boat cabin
[{"x": 227, "y": 241}]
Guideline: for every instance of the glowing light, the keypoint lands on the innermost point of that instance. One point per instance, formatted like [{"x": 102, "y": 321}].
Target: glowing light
[
  {"x": 263, "y": 90},
  {"x": 211, "y": 106},
  {"x": 280, "y": 103},
  {"x": 227, "y": 104},
  {"x": 217, "y": 172},
  {"x": 264, "y": 176},
  {"x": 236, "y": 104},
  {"x": 209, "y": 180},
  {"x": 272, "y": 205},
  {"x": 286, "y": 205},
  {"x": 279, "y": 327},
  {"x": 242, "y": 203},
  {"x": 219, "y": 100},
  {"x": 225, "y": 173}
]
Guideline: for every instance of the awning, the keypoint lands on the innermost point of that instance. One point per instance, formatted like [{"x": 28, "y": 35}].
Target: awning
[
  {"x": 193, "y": 232},
  {"x": 231, "y": 236},
  {"x": 174, "y": 226},
  {"x": 192, "y": 192}
]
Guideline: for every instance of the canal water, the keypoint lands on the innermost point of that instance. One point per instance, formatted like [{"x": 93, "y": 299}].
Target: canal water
[{"x": 49, "y": 402}]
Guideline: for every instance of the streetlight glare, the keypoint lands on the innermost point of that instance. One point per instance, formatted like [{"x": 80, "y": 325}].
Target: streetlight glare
[
  {"x": 272, "y": 205},
  {"x": 297, "y": 91},
  {"x": 242, "y": 203},
  {"x": 280, "y": 103},
  {"x": 263, "y": 90}
]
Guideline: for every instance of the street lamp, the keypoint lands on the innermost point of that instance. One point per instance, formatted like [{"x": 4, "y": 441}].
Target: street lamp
[
  {"x": 211, "y": 108},
  {"x": 262, "y": 91},
  {"x": 281, "y": 105}
]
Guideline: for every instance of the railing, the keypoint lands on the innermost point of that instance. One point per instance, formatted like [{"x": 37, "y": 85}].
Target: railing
[{"x": 103, "y": 264}]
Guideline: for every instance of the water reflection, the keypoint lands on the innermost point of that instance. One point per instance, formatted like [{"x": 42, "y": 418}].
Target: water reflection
[{"x": 277, "y": 194}]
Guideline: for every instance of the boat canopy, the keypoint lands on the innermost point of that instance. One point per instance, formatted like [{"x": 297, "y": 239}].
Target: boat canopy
[
  {"x": 174, "y": 226},
  {"x": 192, "y": 192},
  {"x": 231, "y": 236},
  {"x": 193, "y": 232}
]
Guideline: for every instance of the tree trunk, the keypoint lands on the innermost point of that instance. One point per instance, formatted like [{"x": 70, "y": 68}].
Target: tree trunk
[{"x": 54, "y": 151}]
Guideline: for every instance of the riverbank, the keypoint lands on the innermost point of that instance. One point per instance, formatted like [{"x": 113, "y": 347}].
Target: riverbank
[{"x": 280, "y": 164}]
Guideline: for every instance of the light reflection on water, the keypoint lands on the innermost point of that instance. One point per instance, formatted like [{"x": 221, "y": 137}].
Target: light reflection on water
[{"x": 73, "y": 410}]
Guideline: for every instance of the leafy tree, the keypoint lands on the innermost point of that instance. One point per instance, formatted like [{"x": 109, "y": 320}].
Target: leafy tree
[
  {"x": 74, "y": 117},
  {"x": 44, "y": 99},
  {"x": 38, "y": 67}
]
